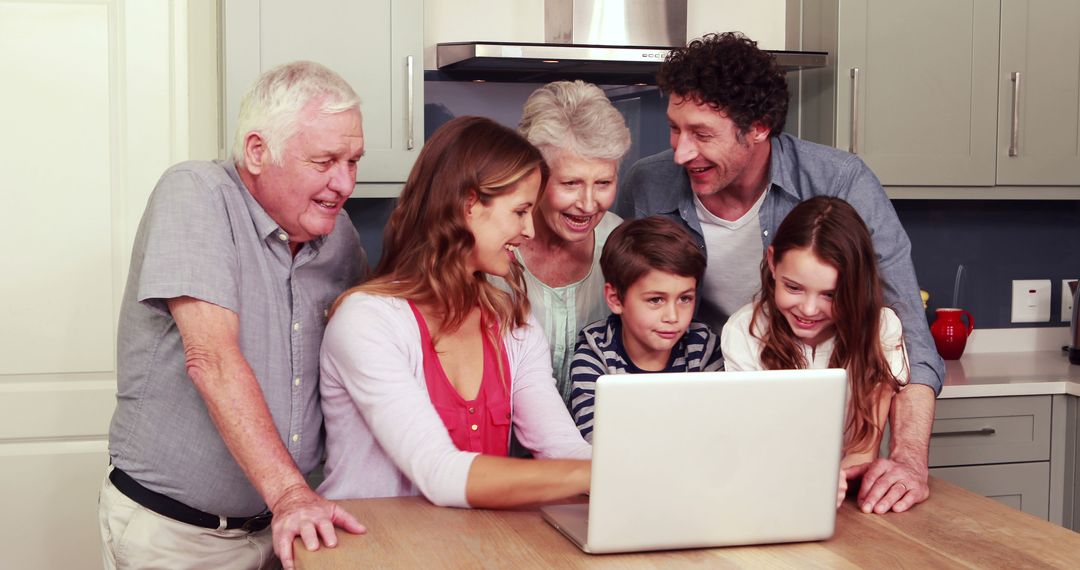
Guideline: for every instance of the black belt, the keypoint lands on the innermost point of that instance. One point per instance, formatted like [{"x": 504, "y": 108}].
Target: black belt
[{"x": 176, "y": 510}]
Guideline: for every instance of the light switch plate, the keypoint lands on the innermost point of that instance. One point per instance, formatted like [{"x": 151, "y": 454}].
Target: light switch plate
[
  {"x": 1066, "y": 301},
  {"x": 1031, "y": 301}
]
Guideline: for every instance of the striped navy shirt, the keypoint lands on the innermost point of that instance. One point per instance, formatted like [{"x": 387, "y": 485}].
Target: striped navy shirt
[{"x": 600, "y": 351}]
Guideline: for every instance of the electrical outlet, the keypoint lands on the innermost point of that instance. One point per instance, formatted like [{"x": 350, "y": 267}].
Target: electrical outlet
[
  {"x": 1031, "y": 301},
  {"x": 1066, "y": 300}
]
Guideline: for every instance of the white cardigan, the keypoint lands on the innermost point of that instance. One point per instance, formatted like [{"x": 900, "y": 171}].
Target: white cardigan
[{"x": 383, "y": 435}]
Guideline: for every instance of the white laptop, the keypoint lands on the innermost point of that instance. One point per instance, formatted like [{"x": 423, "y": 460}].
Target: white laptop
[{"x": 690, "y": 460}]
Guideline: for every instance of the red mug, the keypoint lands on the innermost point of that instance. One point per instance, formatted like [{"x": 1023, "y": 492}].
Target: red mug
[{"x": 950, "y": 333}]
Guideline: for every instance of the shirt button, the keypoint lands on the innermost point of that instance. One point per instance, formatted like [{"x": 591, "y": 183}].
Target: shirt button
[
  {"x": 283, "y": 236},
  {"x": 295, "y": 437},
  {"x": 474, "y": 427},
  {"x": 326, "y": 312},
  {"x": 472, "y": 410},
  {"x": 296, "y": 381},
  {"x": 765, "y": 233},
  {"x": 296, "y": 326}
]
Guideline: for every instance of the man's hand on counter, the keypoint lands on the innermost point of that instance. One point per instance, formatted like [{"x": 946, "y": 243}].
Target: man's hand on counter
[
  {"x": 300, "y": 512},
  {"x": 890, "y": 485},
  {"x": 902, "y": 481}
]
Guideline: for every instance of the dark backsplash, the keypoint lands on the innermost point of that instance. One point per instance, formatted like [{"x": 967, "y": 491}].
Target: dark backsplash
[{"x": 996, "y": 240}]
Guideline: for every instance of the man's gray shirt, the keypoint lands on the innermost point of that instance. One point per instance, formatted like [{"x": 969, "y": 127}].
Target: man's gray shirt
[
  {"x": 799, "y": 170},
  {"x": 204, "y": 236}
]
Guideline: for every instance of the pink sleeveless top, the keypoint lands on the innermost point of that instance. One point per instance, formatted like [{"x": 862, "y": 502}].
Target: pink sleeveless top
[{"x": 482, "y": 424}]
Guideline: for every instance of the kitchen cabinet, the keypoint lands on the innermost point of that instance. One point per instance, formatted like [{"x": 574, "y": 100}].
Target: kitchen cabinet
[
  {"x": 1040, "y": 43},
  {"x": 924, "y": 91},
  {"x": 998, "y": 447},
  {"x": 1021, "y": 486},
  {"x": 917, "y": 89},
  {"x": 911, "y": 87},
  {"x": 376, "y": 45},
  {"x": 1065, "y": 480}
]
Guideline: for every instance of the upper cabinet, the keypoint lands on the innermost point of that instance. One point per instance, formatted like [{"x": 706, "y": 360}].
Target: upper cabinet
[
  {"x": 918, "y": 95},
  {"x": 1039, "y": 93},
  {"x": 376, "y": 45},
  {"x": 926, "y": 91}
]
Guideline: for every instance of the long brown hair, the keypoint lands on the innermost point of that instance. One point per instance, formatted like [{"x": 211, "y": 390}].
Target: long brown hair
[
  {"x": 426, "y": 240},
  {"x": 833, "y": 231}
]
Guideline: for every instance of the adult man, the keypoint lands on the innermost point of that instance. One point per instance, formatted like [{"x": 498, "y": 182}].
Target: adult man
[
  {"x": 731, "y": 178},
  {"x": 234, "y": 266}
]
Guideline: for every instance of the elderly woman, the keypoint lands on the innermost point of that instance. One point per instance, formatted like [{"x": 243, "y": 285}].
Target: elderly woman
[{"x": 582, "y": 138}]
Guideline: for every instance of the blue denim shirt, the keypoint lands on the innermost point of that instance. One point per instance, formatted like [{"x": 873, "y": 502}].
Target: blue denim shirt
[{"x": 799, "y": 170}]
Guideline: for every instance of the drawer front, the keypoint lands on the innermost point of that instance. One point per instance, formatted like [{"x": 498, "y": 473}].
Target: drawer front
[
  {"x": 1022, "y": 486},
  {"x": 974, "y": 431}
]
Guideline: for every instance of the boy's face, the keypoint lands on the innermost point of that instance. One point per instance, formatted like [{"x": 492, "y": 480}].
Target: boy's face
[{"x": 655, "y": 311}]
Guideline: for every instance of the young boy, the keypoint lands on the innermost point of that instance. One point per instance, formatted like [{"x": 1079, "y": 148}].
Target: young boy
[{"x": 651, "y": 270}]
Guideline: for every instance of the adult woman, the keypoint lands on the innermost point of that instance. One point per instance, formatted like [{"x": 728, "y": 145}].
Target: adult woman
[
  {"x": 425, "y": 366},
  {"x": 582, "y": 138}
]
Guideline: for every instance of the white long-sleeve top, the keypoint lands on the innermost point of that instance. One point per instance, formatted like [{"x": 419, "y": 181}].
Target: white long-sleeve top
[
  {"x": 742, "y": 350},
  {"x": 384, "y": 437}
]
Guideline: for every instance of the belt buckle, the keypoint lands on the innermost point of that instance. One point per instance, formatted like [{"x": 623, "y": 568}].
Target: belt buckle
[{"x": 257, "y": 522}]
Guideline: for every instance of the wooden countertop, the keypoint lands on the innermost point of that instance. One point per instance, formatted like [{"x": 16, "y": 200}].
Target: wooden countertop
[
  {"x": 954, "y": 529},
  {"x": 1011, "y": 374}
]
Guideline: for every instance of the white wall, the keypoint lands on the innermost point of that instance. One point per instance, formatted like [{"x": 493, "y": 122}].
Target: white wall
[
  {"x": 94, "y": 108},
  {"x": 760, "y": 20},
  {"x": 484, "y": 20},
  {"x": 523, "y": 21}
]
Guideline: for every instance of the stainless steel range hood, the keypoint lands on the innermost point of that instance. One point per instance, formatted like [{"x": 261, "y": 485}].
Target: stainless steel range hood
[{"x": 616, "y": 41}]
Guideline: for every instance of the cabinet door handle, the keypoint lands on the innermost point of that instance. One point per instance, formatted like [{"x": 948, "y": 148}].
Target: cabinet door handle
[
  {"x": 409, "y": 110},
  {"x": 853, "y": 145},
  {"x": 1014, "y": 136},
  {"x": 980, "y": 431}
]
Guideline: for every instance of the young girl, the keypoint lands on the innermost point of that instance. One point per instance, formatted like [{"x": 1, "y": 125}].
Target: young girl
[
  {"x": 426, "y": 366},
  {"x": 820, "y": 306}
]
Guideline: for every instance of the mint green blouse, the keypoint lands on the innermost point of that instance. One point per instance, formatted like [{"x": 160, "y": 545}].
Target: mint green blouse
[{"x": 564, "y": 311}]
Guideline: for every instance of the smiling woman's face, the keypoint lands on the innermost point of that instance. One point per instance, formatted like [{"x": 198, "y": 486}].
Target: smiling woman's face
[
  {"x": 500, "y": 226},
  {"x": 579, "y": 190}
]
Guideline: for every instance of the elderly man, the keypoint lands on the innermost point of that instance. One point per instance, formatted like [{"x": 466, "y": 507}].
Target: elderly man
[
  {"x": 234, "y": 267},
  {"x": 733, "y": 175}
]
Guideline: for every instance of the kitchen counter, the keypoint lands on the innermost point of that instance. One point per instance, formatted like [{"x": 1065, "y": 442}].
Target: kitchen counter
[
  {"x": 1011, "y": 374},
  {"x": 954, "y": 529}
]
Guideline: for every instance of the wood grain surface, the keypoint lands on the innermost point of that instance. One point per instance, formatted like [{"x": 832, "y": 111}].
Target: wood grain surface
[{"x": 954, "y": 529}]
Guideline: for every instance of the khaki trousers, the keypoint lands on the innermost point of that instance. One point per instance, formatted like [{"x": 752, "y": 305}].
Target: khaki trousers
[{"x": 133, "y": 536}]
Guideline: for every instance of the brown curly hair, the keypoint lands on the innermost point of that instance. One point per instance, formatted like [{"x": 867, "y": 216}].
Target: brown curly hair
[{"x": 729, "y": 73}]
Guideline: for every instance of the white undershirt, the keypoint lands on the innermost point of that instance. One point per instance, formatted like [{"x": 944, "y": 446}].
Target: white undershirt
[{"x": 733, "y": 272}]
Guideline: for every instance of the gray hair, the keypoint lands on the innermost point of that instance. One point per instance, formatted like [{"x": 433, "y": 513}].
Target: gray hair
[
  {"x": 577, "y": 117},
  {"x": 273, "y": 105}
]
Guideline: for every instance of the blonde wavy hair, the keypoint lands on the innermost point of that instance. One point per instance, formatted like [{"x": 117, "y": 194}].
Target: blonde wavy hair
[{"x": 426, "y": 241}]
